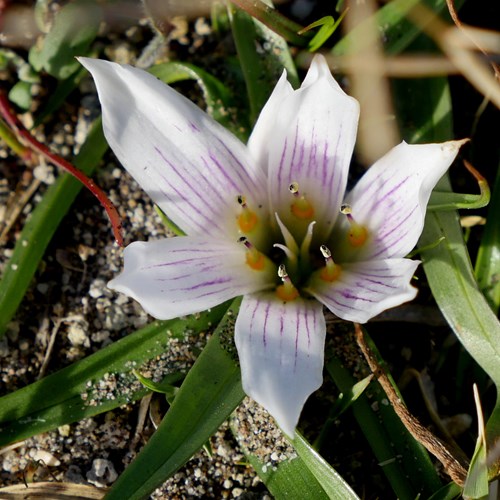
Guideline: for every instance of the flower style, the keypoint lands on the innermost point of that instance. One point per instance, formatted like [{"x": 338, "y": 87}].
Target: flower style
[{"x": 268, "y": 220}]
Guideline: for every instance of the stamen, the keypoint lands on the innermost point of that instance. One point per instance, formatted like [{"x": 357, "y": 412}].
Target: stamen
[
  {"x": 331, "y": 271},
  {"x": 301, "y": 207},
  {"x": 254, "y": 259},
  {"x": 287, "y": 290},
  {"x": 358, "y": 234},
  {"x": 247, "y": 219}
]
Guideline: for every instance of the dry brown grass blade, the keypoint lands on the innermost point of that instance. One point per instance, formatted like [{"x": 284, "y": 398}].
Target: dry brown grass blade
[
  {"x": 378, "y": 132},
  {"x": 409, "y": 66},
  {"x": 458, "y": 46},
  {"x": 51, "y": 491},
  {"x": 470, "y": 35}
]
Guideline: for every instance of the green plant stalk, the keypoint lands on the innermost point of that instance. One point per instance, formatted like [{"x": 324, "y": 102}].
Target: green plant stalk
[
  {"x": 42, "y": 224},
  {"x": 12, "y": 142}
]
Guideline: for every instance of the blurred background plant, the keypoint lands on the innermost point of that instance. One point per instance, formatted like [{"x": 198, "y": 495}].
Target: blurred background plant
[{"x": 86, "y": 378}]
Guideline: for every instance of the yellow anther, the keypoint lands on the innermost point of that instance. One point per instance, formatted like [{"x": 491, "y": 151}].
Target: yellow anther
[
  {"x": 247, "y": 220},
  {"x": 331, "y": 271},
  {"x": 287, "y": 290}
]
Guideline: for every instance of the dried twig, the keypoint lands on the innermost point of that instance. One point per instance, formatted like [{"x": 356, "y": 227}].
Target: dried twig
[
  {"x": 453, "y": 462},
  {"x": 459, "y": 25}
]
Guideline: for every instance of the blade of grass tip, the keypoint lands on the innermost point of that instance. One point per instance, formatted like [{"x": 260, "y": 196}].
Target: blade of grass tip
[
  {"x": 210, "y": 392},
  {"x": 261, "y": 69},
  {"x": 43, "y": 150},
  {"x": 454, "y": 201},
  {"x": 40, "y": 227},
  {"x": 270, "y": 17},
  {"x": 75, "y": 392},
  {"x": 488, "y": 257}
]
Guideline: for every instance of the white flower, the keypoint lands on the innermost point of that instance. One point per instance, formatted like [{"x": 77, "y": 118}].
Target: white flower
[{"x": 268, "y": 220}]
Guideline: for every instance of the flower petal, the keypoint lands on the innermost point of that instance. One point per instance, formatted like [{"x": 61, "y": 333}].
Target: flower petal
[
  {"x": 177, "y": 276},
  {"x": 365, "y": 289},
  {"x": 390, "y": 200},
  {"x": 280, "y": 347},
  {"x": 313, "y": 135},
  {"x": 191, "y": 166},
  {"x": 263, "y": 130}
]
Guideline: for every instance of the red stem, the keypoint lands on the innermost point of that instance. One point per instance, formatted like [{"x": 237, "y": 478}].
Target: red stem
[{"x": 40, "y": 148}]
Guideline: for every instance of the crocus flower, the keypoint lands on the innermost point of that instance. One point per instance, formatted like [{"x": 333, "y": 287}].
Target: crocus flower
[{"x": 269, "y": 220}]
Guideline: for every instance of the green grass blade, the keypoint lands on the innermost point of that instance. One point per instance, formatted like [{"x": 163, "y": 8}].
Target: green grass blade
[
  {"x": 449, "y": 492},
  {"x": 261, "y": 71},
  {"x": 488, "y": 257},
  {"x": 211, "y": 391},
  {"x": 57, "y": 399},
  {"x": 333, "y": 484},
  {"x": 42, "y": 224}
]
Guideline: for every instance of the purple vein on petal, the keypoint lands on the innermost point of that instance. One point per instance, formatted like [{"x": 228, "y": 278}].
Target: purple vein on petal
[
  {"x": 282, "y": 160},
  {"x": 190, "y": 186},
  {"x": 297, "y": 330},
  {"x": 248, "y": 183},
  {"x": 389, "y": 244},
  {"x": 251, "y": 327},
  {"x": 264, "y": 330}
]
